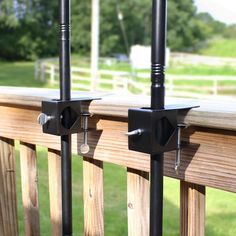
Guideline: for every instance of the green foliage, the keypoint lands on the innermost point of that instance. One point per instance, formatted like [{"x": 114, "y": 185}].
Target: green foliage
[
  {"x": 136, "y": 19},
  {"x": 185, "y": 29},
  {"x": 28, "y": 28},
  {"x": 8, "y": 27},
  {"x": 180, "y": 22},
  {"x": 38, "y": 28},
  {"x": 230, "y": 32},
  {"x": 188, "y": 30},
  {"x": 81, "y": 25},
  {"x": 216, "y": 26}
]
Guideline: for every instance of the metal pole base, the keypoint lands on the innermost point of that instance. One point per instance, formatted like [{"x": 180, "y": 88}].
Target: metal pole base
[{"x": 156, "y": 195}]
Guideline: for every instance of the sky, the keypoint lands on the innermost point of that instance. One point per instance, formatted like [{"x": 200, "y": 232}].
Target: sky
[{"x": 222, "y": 10}]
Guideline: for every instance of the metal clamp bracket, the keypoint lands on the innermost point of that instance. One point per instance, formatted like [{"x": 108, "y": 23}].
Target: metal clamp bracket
[
  {"x": 155, "y": 131},
  {"x": 62, "y": 117}
]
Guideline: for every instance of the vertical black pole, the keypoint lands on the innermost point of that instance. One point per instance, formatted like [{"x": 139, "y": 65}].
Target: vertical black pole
[
  {"x": 157, "y": 102},
  {"x": 65, "y": 94}
]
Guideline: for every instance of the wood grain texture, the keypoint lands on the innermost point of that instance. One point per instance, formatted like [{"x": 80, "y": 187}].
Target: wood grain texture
[
  {"x": 93, "y": 197},
  {"x": 21, "y": 124},
  {"x": 138, "y": 202},
  {"x": 202, "y": 163},
  {"x": 8, "y": 201},
  {"x": 54, "y": 172},
  {"x": 211, "y": 113},
  {"x": 29, "y": 185},
  {"x": 192, "y": 206}
]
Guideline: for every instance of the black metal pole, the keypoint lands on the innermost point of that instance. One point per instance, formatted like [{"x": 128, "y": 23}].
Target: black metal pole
[
  {"x": 157, "y": 102},
  {"x": 65, "y": 94}
]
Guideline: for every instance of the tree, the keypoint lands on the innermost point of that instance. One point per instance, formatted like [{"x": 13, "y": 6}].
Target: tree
[
  {"x": 38, "y": 29},
  {"x": 8, "y": 27},
  {"x": 81, "y": 25},
  {"x": 185, "y": 29},
  {"x": 29, "y": 27},
  {"x": 111, "y": 39},
  {"x": 216, "y": 26}
]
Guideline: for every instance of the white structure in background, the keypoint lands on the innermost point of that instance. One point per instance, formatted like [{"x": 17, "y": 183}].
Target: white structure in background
[{"x": 140, "y": 56}]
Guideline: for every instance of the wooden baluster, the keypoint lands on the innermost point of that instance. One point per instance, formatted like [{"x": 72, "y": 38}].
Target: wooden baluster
[
  {"x": 54, "y": 171},
  {"x": 93, "y": 197},
  {"x": 192, "y": 203},
  {"x": 29, "y": 185},
  {"x": 138, "y": 202},
  {"x": 8, "y": 201}
]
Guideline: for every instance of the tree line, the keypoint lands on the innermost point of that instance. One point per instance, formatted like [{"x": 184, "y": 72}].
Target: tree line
[{"x": 29, "y": 28}]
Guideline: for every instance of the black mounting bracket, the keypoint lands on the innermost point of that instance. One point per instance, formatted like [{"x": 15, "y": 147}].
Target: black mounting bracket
[
  {"x": 154, "y": 131},
  {"x": 62, "y": 117}
]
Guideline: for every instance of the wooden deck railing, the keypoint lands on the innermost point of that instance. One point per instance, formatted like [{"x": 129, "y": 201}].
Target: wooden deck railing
[{"x": 207, "y": 160}]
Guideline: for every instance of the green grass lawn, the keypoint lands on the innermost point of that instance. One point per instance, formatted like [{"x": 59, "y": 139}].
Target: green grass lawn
[
  {"x": 202, "y": 70},
  {"x": 220, "y": 47},
  {"x": 18, "y": 74}
]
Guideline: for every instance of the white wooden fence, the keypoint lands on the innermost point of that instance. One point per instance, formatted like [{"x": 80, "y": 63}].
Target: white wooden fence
[
  {"x": 188, "y": 85},
  {"x": 107, "y": 80},
  {"x": 178, "y": 58}
]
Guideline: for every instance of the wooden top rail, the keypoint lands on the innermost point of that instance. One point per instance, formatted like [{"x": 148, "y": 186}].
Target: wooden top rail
[
  {"x": 211, "y": 113},
  {"x": 208, "y": 158}
]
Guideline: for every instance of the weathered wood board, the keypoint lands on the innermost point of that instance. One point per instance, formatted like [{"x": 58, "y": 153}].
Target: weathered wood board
[{"x": 202, "y": 162}]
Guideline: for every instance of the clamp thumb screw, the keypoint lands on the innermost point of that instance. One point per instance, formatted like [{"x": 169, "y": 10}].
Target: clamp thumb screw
[{"x": 43, "y": 118}]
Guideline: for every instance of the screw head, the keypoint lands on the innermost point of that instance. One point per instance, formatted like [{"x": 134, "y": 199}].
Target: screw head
[
  {"x": 84, "y": 148},
  {"x": 137, "y": 132},
  {"x": 43, "y": 118}
]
